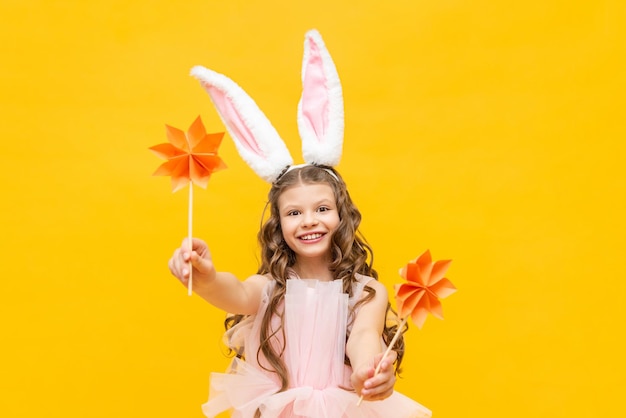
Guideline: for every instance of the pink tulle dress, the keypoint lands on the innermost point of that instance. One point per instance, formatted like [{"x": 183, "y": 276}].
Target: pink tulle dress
[{"x": 315, "y": 320}]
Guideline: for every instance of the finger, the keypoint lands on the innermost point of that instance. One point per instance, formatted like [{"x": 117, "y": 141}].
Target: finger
[
  {"x": 381, "y": 391},
  {"x": 194, "y": 244},
  {"x": 365, "y": 372},
  {"x": 188, "y": 246},
  {"x": 174, "y": 265},
  {"x": 173, "y": 262},
  {"x": 185, "y": 244},
  {"x": 382, "y": 381},
  {"x": 180, "y": 264},
  {"x": 387, "y": 358},
  {"x": 201, "y": 264},
  {"x": 380, "y": 396},
  {"x": 391, "y": 357}
]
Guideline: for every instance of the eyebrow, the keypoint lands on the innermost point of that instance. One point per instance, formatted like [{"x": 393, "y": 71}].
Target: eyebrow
[{"x": 324, "y": 201}]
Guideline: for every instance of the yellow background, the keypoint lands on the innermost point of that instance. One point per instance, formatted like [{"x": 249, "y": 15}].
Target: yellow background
[{"x": 490, "y": 132}]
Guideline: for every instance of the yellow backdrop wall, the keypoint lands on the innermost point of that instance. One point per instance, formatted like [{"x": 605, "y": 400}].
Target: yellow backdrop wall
[{"x": 489, "y": 132}]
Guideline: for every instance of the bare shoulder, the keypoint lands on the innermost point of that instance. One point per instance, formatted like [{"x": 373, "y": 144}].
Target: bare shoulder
[
  {"x": 381, "y": 291},
  {"x": 371, "y": 314},
  {"x": 256, "y": 282},
  {"x": 258, "y": 278},
  {"x": 253, "y": 288},
  {"x": 377, "y": 286}
]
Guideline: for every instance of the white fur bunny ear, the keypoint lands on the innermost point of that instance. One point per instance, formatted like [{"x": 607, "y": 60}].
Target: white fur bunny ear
[
  {"x": 320, "y": 111},
  {"x": 256, "y": 139}
]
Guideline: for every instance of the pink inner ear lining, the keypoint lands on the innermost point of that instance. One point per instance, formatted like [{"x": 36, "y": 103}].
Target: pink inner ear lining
[
  {"x": 314, "y": 92},
  {"x": 239, "y": 130}
]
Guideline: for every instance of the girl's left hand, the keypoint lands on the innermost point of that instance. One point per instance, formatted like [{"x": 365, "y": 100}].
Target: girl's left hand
[{"x": 375, "y": 387}]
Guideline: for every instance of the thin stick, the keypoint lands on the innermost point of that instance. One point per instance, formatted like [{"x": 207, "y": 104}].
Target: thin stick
[
  {"x": 190, "y": 218},
  {"x": 389, "y": 348}
]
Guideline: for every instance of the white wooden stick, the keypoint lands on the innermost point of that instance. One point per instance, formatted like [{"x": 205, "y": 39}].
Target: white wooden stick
[{"x": 391, "y": 344}]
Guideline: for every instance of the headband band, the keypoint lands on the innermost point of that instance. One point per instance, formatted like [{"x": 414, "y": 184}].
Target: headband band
[{"x": 293, "y": 167}]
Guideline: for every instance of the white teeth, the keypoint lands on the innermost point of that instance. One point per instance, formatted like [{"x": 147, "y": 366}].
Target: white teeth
[{"x": 310, "y": 236}]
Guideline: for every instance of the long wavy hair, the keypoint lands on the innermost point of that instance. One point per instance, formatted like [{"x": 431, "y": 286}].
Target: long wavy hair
[{"x": 351, "y": 254}]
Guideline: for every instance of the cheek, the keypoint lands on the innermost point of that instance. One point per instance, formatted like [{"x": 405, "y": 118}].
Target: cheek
[{"x": 286, "y": 224}]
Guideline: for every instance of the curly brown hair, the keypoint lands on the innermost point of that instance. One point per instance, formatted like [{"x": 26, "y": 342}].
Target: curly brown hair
[{"x": 351, "y": 254}]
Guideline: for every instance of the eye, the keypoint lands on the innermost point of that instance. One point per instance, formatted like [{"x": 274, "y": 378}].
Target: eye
[
  {"x": 323, "y": 209},
  {"x": 293, "y": 213}
]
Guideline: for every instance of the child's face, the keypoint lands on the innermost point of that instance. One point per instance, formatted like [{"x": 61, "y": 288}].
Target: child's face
[{"x": 308, "y": 218}]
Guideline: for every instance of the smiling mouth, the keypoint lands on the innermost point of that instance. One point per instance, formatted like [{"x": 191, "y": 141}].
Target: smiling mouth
[{"x": 311, "y": 237}]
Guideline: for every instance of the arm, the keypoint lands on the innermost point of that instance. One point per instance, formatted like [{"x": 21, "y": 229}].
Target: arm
[
  {"x": 222, "y": 290},
  {"x": 365, "y": 350}
]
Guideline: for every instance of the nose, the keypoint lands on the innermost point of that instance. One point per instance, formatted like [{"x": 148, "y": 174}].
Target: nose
[{"x": 309, "y": 219}]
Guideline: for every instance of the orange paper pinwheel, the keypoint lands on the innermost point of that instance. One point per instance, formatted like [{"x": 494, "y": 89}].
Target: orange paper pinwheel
[
  {"x": 191, "y": 158},
  {"x": 424, "y": 286},
  {"x": 419, "y": 295}
]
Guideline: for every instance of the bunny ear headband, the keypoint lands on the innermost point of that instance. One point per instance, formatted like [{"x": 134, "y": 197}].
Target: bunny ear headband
[{"x": 320, "y": 115}]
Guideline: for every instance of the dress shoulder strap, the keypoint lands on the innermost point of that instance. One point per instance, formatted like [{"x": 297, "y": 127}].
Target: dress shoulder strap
[{"x": 363, "y": 280}]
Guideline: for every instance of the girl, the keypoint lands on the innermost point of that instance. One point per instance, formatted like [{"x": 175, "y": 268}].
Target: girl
[
  {"x": 315, "y": 286},
  {"x": 310, "y": 327}
]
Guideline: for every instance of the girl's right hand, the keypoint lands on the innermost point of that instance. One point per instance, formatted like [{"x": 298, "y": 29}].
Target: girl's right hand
[
  {"x": 376, "y": 386},
  {"x": 201, "y": 262}
]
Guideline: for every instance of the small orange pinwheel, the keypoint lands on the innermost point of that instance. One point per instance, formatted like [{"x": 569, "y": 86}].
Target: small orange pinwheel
[
  {"x": 424, "y": 287},
  {"x": 420, "y": 295},
  {"x": 191, "y": 157}
]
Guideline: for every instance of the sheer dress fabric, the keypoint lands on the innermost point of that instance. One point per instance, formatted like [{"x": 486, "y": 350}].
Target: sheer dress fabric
[{"x": 315, "y": 321}]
